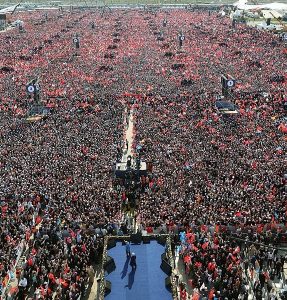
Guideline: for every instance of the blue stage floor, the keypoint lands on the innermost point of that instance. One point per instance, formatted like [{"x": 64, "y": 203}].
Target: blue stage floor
[{"x": 147, "y": 282}]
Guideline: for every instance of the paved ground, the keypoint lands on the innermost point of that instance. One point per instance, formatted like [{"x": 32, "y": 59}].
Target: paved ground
[{"x": 128, "y": 136}]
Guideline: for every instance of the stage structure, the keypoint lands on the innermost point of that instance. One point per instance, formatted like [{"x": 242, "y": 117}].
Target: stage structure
[
  {"x": 226, "y": 107},
  {"x": 37, "y": 110},
  {"x": 2, "y": 21},
  {"x": 167, "y": 259}
]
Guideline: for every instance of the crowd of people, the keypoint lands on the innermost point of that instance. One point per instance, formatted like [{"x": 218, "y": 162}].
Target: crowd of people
[
  {"x": 56, "y": 175},
  {"x": 213, "y": 266},
  {"x": 226, "y": 170},
  {"x": 220, "y": 266}
]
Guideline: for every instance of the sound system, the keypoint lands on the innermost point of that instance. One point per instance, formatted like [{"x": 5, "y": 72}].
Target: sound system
[
  {"x": 108, "y": 287},
  {"x": 146, "y": 239},
  {"x": 109, "y": 265},
  {"x": 161, "y": 240},
  {"x": 186, "y": 82},
  {"x": 172, "y": 247},
  {"x": 168, "y": 283},
  {"x": 163, "y": 256},
  {"x": 277, "y": 78},
  {"x": 166, "y": 267},
  {"x": 111, "y": 244},
  {"x": 177, "y": 66},
  {"x": 136, "y": 238},
  {"x": 168, "y": 54},
  {"x": 6, "y": 69}
]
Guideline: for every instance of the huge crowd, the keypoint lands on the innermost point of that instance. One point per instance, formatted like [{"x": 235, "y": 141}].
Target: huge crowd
[{"x": 57, "y": 184}]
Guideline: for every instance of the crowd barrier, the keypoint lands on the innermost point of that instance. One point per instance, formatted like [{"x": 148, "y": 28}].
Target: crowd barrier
[
  {"x": 12, "y": 274},
  {"x": 20, "y": 249}
]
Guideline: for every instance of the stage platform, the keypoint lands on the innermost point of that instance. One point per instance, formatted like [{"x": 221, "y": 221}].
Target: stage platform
[{"x": 147, "y": 282}]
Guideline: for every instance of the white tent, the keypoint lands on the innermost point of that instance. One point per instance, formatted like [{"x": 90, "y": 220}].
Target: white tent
[
  {"x": 279, "y": 7},
  {"x": 9, "y": 9},
  {"x": 271, "y": 14}
]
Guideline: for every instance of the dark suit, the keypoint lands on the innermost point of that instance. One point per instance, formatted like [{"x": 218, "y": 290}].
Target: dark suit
[{"x": 133, "y": 262}]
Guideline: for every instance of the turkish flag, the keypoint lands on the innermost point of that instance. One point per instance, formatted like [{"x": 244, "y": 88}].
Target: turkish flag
[
  {"x": 195, "y": 296},
  {"x": 204, "y": 245}
]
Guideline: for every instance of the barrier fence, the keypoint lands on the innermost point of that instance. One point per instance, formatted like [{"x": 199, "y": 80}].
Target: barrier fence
[{"x": 11, "y": 275}]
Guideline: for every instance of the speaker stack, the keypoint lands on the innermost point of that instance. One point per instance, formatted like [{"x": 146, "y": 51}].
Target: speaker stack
[
  {"x": 136, "y": 238},
  {"x": 109, "y": 265},
  {"x": 161, "y": 240},
  {"x": 146, "y": 239},
  {"x": 165, "y": 266},
  {"x": 168, "y": 283},
  {"x": 111, "y": 244},
  {"x": 108, "y": 287}
]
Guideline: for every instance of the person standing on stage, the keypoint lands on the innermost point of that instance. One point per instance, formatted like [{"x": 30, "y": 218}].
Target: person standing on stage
[
  {"x": 133, "y": 262},
  {"x": 128, "y": 249}
]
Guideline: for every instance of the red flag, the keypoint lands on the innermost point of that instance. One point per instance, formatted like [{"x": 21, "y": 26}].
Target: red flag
[
  {"x": 38, "y": 220},
  {"x": 260, "y": 228},
  {"x": 203, "y": 228},
  {"x": 187, "y": 259},
  {"x": 195, "y": 296},
  {"x": 283, "y": 128},
  {"x": 210, "y": 294},
  {"x": 236, "y": 250},
  {"x": 205, "y": 245}
]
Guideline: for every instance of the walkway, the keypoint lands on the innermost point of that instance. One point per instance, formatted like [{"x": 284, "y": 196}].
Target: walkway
[{"x": 129, "y": 134}]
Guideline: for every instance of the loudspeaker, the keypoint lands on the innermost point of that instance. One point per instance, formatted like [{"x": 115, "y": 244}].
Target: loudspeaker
[
  {"x": 161, "y": 240},
  {"x": 168, "y": 283},
  {"x": 163, "y": 256},
  {"x": 109, "y": 265},
  {"x": 111, "y": 244},
  {"x": 277, "y": 78},
  {"x": 268, "y": 21},
  {"x": 146, "y": 239},
  {"x": 177, "y": 66},
  {"x": 172, "y": 247},
  {"x": 136, "y": 238},
  {"x": 108, "y": 287},
  {"x": 166, "y": 267}
]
